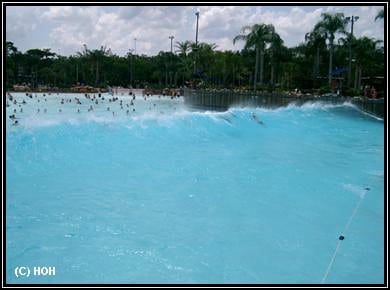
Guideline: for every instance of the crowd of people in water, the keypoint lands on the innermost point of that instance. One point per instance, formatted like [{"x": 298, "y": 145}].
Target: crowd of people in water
[{"x": 95, "y": 102}]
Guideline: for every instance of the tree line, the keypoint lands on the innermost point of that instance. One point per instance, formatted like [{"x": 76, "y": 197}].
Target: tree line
[{"x": 263, "y": 63}]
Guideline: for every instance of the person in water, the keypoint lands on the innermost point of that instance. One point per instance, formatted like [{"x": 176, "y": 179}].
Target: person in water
[{"x": 256, "y": 119}]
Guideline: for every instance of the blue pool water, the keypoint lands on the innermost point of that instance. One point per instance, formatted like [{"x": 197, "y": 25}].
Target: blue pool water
[{"x": 169, "y": 195}]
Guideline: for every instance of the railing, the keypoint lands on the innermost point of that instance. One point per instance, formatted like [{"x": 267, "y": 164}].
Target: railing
[
  {"x": 372, "y": 106},
  {"x": 224, "y": 99}
]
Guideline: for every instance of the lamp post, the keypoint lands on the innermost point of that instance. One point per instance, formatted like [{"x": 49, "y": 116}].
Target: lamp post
[
  {"x": 170, "y": 57},
  {"x": 196, "y": 39},
  {"x": 352, "y": 19},
  {"x": 171, "y": 38},
  {"x": 131, "y": 66},
  {"x": 197, "y": 25}
]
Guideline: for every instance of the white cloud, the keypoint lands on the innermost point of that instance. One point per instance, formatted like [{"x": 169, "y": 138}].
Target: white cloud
[
  {"x": 21, "y": 21},
  {"x": 69, "y": 27}
]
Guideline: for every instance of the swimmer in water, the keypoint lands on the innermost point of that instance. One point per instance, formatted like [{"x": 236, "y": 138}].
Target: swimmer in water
[
  {"x": 255, "y": 118},
  {"x": 108, "y": 108},
  {"x": 78, "y": 110},
  {"x": 15, "y": 123},
  {"x": 226, "y": 119},
  {"x": 45, "y": 110}
]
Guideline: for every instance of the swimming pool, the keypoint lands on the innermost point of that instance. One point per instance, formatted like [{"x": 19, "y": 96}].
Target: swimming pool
[{"x": 166, "y": 194}]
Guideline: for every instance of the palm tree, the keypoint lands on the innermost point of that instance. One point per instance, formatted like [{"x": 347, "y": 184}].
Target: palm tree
[
  {"x": 328, "y": 27},
  {"x": 258, "y": 36},
  {"x": 365, "y": 49},
  {"x": 183, "y": 47},
  {"x": 203, "y": 55},
  {"x": 275, "y": 48},
  {"x": 316, "y": 40},
  {"x": 380, "y": 15},
  {"x": 10, "y": 48},
  {"x": 95, "y": 57}
]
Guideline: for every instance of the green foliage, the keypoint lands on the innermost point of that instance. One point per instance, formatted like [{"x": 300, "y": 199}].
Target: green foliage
[
  {"x": 304, "y": 67},
  {"x": 325, "y": 89}
]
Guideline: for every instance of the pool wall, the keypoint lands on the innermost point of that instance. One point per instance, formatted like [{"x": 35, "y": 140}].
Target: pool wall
[{"x": 224, "y": 99}]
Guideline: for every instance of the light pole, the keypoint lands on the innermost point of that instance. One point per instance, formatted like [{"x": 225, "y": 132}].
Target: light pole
[
  {"x": 196, "y": 39},
  {"x": 131, "y": 66},
  {"x": 170, "y": 73},
  {"x": 352, "y": 19},
  {"x": 197, "y": 25},
  {"x": 171, "y": 38}
]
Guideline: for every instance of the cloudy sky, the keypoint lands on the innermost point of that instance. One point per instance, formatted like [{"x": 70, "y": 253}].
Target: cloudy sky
[{"x": 65, "y": 29}]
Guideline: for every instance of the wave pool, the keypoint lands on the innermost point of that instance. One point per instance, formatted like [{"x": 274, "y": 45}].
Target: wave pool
[{"x": 166, "y": 194}]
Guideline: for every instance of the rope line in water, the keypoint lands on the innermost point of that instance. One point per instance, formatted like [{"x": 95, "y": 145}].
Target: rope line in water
[{"x": 341, "y": 238}]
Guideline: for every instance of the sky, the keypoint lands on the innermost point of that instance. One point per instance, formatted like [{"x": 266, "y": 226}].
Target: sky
[{"x": 65, "y": 29}]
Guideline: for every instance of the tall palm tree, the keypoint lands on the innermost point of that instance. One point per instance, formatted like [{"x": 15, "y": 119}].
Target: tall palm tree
[
  {"x": 316, "y": 40},
  {"x": 275, "y": 48},
  {"x": 365, "y": 49},
  {"x": 380, "y": 15},
  {"x": 257, "y": 37},
  {"x": 328, "y": 27}
]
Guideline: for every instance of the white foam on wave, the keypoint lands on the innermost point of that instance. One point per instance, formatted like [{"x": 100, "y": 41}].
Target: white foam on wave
[
  {"x": 307, "y": 106},
  {"x": 314, "y": 105},
  {"x": 167, "y": 116}
]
